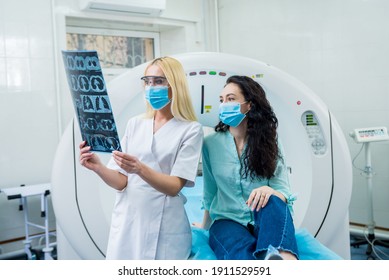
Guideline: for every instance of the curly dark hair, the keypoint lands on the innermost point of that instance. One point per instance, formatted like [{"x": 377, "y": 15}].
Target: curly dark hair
[{"x": 261, "y": 153}]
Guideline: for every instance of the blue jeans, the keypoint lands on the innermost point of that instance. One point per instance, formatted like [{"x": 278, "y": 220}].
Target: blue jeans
[{"x": 273, "y": 225}]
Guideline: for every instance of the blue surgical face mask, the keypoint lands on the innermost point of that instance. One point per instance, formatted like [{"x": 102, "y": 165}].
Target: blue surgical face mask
[
  {"x": 157, "y": 96},
  {"x": 230, "y": 114}
]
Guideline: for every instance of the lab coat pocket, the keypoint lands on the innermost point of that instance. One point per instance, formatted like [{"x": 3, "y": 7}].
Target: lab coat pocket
[
  {"x": 177, "y": 246},
  {"x": 175, "y": 218},
  {"x": 119, "y": 209}
]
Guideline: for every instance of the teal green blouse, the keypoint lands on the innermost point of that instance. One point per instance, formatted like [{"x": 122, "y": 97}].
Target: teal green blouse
[{"x": 225, "y": 192}]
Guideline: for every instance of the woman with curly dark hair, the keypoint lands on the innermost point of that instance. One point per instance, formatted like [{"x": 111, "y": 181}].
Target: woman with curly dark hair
[{"x": 247, "y": 197}]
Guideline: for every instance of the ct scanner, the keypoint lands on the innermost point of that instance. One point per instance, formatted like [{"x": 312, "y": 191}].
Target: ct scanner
[{"x": 315, "y": 149}]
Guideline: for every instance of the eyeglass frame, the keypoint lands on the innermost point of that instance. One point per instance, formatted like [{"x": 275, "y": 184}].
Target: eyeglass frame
[{"x": 146, "y": 82}]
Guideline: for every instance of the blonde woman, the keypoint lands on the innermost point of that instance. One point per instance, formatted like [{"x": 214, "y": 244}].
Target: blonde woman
[{"x": 160, "y": 156}]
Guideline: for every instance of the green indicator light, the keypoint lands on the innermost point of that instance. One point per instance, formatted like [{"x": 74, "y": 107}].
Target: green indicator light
[{"x": 212, "y": 72}]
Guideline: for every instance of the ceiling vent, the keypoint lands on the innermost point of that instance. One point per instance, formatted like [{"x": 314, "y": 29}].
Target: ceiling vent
[{"x": 125, "y": 7}]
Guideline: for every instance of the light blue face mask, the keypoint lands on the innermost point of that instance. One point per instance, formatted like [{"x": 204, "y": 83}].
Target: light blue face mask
[
  {"x": 229, "y": 113},
  {"x": 157, "y": 96}
]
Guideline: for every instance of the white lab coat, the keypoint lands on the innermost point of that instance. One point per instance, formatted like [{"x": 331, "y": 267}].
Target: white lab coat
[{"x": 147, "y": 224}]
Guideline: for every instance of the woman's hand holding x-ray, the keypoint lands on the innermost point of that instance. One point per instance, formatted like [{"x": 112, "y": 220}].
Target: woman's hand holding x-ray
[
  {"x": 170, "y": 185},
  {"x": 89, "y": 159},
  {"x": 127, "y": 162},
  {"x": 92, "y": 161}
]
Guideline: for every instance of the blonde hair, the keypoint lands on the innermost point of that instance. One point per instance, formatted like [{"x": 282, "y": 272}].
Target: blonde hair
[{"x": 181, "y": 104}]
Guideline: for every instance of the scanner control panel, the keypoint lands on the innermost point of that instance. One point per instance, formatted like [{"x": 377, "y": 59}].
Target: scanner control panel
[
  {"x": 371, "y": 134},
  {"x": 314, "y": 132}
]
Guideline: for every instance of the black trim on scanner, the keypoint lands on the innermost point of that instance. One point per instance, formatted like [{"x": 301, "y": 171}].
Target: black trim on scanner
[
  {"x": 332, "y": 166},
  {"x": 75, "y": 192}
]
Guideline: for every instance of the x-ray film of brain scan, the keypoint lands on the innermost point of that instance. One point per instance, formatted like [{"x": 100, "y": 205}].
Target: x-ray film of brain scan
[{"x": 91, "y": 101}]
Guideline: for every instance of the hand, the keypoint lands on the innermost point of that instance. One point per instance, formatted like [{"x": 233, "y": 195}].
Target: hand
[
  {"x": 88, "y": 159},
  {"x": 197, "y": 225},
  {"x": 127, "y": 162},
  {"x": 259, "y": 197}
]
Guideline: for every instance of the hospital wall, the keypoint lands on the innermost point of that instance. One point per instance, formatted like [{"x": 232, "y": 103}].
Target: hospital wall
[
  {"x": 337, "y": 48},
  {"x": 35, "y": 103},
  {"x": 28, "y": 107}
]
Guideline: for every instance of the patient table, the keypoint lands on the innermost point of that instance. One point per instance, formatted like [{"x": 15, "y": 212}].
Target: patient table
[{"x": 309, "y": 247}]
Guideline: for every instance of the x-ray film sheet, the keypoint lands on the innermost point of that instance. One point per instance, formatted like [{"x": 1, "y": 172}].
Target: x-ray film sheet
[{"x": 91, "y": 101}]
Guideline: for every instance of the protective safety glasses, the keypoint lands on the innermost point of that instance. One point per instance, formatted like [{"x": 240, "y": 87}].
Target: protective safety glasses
[{"x": 154, "y": 81}]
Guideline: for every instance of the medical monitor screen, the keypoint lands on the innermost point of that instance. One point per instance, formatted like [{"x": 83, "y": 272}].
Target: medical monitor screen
[{"x": 91, "y": 101}]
